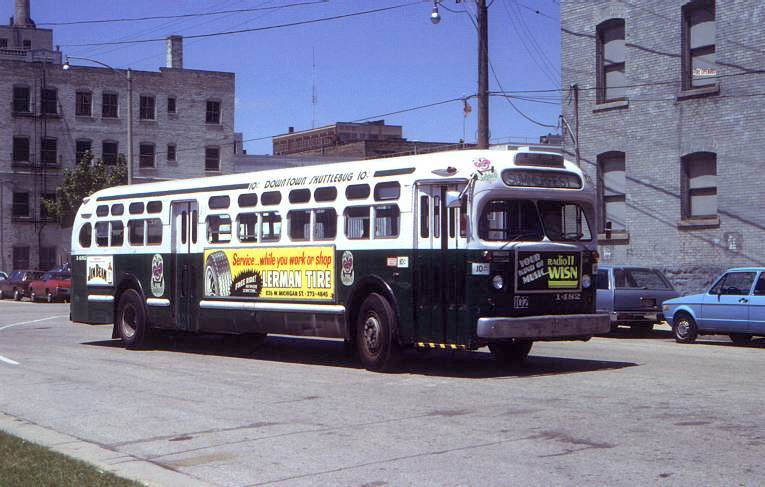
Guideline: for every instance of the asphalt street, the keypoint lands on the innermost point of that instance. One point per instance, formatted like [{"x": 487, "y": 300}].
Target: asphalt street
[{"x": 612, "y": 411}]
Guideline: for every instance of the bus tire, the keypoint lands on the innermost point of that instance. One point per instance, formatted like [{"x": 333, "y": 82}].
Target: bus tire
[
  {"x": 131, "y": 319},
  {"x": 510, "y": 353},
  {"x": 217, "y": 275},
  {"x": 375, "y": 334}
]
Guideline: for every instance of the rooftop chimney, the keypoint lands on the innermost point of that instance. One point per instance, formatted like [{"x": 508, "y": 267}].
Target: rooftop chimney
[
  {"x": 175, "y": 52},
  {"x": 22, "y": 18},
  {"x": 290, "y": 130}
]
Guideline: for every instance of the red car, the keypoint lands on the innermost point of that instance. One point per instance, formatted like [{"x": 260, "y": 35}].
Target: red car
[
  {"x": 52, "y": 286},
  {"x": 17, "y": 284}
]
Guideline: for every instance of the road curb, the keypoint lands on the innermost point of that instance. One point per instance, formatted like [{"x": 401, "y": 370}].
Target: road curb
[{"x": 118, "y": 463}]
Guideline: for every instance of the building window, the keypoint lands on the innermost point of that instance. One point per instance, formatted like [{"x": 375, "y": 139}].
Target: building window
[
  {"x": 21, "y": 257},
  {"x": 612, "y": 181},
  {"x": 49, "y": 101},
  {"x": 171, "y": 152},
  {"x": 171, "y": 105},
  {"x": 47, "y": 258},
  {"x": 3, "y": 43},
  {"x": 699, "y": 63},
  {"x": 81, "y": 147},
  {"x": 43, "y": 211},
  {"x": 20, "y": 204},
  {"x": 48, "y": 151},
  {"x": 147, "y": 108},
  {"x": 84, "y": 103},
  {"x": 213, "y": 112},
  {"x": 610, "y": 52},
  {"x": 21, "y": 99},
  {"x": 146, "y": 157},
  {"x": 27, "y": 44},
  {"x": 109, "y": 152},
  {"x": 21, "y": 149},
  {"x": 109, "y": 105},
  {"x": 699, "y": 185},
  {"x": 212, "y": 159}
]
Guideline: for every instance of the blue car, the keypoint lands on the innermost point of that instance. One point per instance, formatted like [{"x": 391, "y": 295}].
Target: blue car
[{"x": 734, "y": 305}]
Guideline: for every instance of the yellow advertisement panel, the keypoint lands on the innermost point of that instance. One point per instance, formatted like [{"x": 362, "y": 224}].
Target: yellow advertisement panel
[{"x": 286, "y": 273}]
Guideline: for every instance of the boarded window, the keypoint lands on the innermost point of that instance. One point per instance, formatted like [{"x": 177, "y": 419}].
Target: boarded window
[
  {"x": 700, "y": 185},
  {"x": 699, "y": 58},
  {"x": 611, "y": 61},
  {"x": 613, "y": 182},
  {"x": 357, "y": 222}
]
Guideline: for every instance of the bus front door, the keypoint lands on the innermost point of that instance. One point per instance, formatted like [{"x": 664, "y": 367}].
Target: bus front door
[
  {"x": 440, "y": 266},
  {"x": 185, "y": 218}
]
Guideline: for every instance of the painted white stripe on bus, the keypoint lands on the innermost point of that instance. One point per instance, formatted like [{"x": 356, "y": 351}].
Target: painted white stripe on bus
[
  {"x": 335, "y": 309},
  {"x": 8, "y": 361},
  {"x": 158, "y": 302},
  {"x": 28, "y": 322},
  {"x": 100, "y": 298}
]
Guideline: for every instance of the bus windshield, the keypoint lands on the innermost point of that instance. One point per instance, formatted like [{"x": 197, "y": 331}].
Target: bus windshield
[{"x": 513, "y": 220}]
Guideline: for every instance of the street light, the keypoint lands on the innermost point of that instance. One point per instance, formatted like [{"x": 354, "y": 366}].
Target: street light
[
  {"x": 482, "y": 25},
  {"x": 129, "y": 77}
]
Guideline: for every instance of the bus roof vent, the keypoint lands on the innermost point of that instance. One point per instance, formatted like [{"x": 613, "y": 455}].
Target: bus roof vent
[{"x": 538, "y": 160}]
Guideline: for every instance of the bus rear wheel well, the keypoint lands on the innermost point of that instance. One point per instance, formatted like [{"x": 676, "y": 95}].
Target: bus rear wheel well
[
  {"x": 360, "y": 292},
  {"x": 128, "y": 282}
]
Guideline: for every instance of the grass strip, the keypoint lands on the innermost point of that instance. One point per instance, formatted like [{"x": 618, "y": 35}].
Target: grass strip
[{"x": 23, "y": 464}]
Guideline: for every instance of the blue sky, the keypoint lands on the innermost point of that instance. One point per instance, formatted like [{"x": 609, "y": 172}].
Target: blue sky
[{"x": 365, "y": 66}]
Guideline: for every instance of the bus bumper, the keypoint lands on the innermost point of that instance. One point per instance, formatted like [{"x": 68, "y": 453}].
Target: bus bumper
[{"x": 544, "y": 327}]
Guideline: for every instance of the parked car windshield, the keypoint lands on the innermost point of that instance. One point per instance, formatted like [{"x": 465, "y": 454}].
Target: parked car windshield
[
  {"x": 17, "y": 275},
  {"x": 640, "y": 279},
  {"x": 564, "y": 221},
  {"x": 510, "y": 220}
]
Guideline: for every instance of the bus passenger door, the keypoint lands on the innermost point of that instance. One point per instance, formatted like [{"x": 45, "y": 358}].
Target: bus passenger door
[
  {"x": 184, "y": 235},
  {"x": 439, "y": 266}
]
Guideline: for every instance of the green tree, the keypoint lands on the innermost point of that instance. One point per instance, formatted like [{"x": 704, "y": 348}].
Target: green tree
[{"x": 87, "y": 177}]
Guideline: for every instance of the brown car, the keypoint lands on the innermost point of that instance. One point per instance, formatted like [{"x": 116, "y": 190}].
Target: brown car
[{"x": 17, "y": 284}]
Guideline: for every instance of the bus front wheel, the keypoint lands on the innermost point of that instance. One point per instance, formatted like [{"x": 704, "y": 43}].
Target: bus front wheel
[
  {"x": 131, "y": 319},
  {"x": 375, "y": 334},
  {"x": 508, "y": 353}
]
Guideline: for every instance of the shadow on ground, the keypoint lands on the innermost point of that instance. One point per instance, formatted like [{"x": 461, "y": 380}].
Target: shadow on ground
[
  {"x": 332, "y": 353},
  {"x": 712, "y": 340}
]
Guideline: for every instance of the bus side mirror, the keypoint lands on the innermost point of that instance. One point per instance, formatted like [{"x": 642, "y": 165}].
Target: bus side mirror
[{"x": 453, "y": 199}]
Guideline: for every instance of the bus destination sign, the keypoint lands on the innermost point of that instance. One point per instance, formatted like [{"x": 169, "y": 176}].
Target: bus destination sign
[{"x": 531, "y": 178}]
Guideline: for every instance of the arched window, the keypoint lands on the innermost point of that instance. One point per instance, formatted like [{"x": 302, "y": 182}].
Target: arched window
[
  {"x": 610, "y": 54},
  {"x": 699, "y": 185},
  {"x": 612, "y": 188}
]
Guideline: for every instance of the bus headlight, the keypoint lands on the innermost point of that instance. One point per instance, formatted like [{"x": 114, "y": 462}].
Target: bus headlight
[
  {"x": 586, "y": 281},
  {"x": 498, "y": 282}
]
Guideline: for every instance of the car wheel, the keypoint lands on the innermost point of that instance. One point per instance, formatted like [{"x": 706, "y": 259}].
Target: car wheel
[
  {"x": 33, "y": 296},
  {"x": 17, "y": 295},
  {"x": 684, "y": 328},
  {"x": 375, "y": 334},
  {"x": 510, "y": 353},
  {"x": 131, "y": 319},
  {"x": 740, "y": 338},
  {"x": 50, "y": 297}
]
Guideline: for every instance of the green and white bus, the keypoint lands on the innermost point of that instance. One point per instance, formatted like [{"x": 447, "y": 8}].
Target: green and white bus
[{"x": 451, "y": 250}]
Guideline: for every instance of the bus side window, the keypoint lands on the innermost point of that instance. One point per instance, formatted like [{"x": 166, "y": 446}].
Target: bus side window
[
  {"x": 424, "y": 216},
  {"x": 325, "y": 226},
  {"x": 153, "y": 231},
  {"x": 184, "y": 227},
  {"x": 118, "y": 233},
  {"x": 452, "y": 222},
  {"x": 387, "y": 221},
  {"x": 271, "y": 226},
  {"x": 299, "y": 224},
  {"x": 135, "y": 232},
  {"x": 436, "y": 216},
  {"x": 85, "y": 235},
  {"x": 218, "y": 229},
  {"x": 357, "y": 222},
  {"x": 248, "y": 227},
  {"x": 463, "y": 218},
  {"x": 102, "y": 234}
]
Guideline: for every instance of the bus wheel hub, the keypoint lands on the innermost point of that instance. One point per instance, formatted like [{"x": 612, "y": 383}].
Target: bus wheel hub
[{"x": 372, "y": 333}]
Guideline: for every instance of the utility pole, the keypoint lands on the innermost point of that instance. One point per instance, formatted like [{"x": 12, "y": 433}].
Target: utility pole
[{"x": 482, "y": 19}]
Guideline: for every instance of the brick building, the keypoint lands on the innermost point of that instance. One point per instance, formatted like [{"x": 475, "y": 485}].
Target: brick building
[
  {"x": 670, "y": 125},
  {"x": 353, "y": 140},
  {"x": 183, "y": 126}
]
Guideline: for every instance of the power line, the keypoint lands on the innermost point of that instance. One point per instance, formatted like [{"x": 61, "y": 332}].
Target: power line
[
  {"x": 180, "y": 16},
  {"x": 255, "y": 29}
]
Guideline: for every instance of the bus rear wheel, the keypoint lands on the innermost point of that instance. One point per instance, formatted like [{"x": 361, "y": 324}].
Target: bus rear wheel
[
  {"x": 131, "y": 319},
  {"x": 375, "y": 334},
  {"x": 511, "y": 353}
]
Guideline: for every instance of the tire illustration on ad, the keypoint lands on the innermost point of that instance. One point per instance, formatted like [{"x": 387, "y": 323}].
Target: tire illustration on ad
[{"x": 217, "y": 275}]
